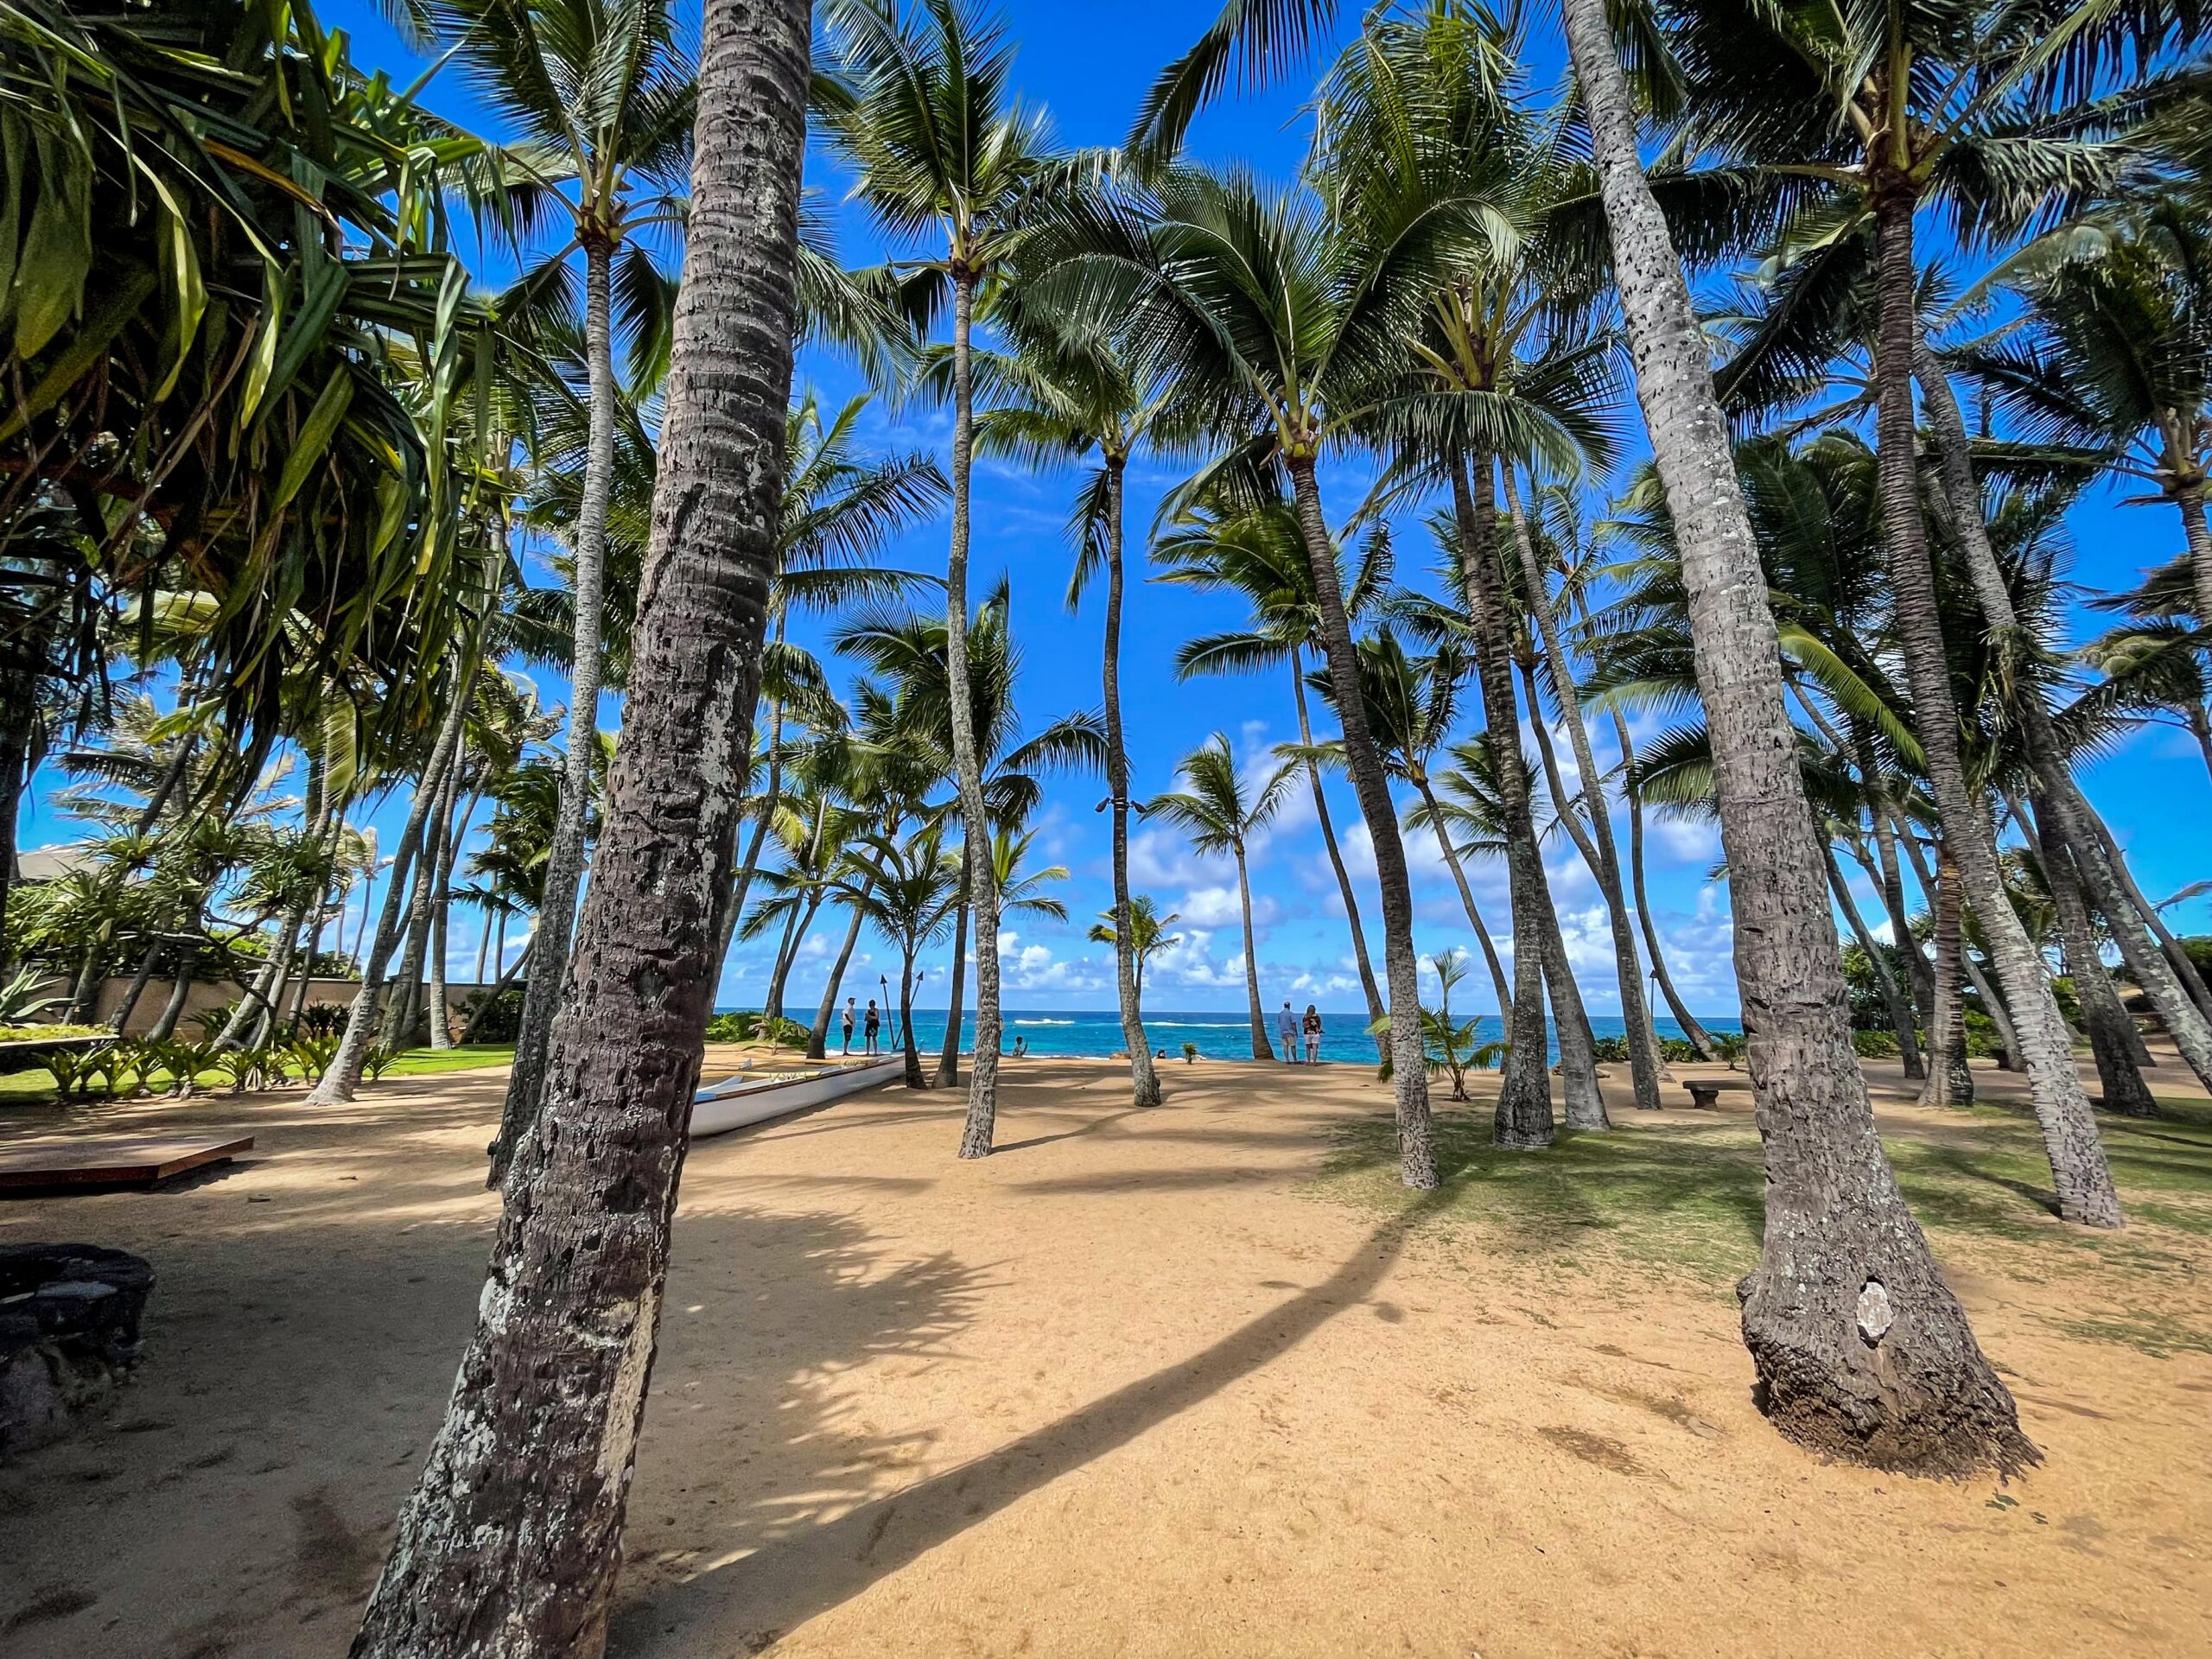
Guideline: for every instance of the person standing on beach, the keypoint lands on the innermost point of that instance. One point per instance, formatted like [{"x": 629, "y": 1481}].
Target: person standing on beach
[
  {"x": 874, "y": 1025},
  {"x": 851, "y": 1003},
  {"x": 1312, "y": 1035},
  {"x": 1286, "y": 1029}
]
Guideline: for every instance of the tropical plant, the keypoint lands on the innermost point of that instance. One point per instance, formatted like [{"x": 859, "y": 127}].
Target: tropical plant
[
  {"x": 1148, "y": 933},
  {"x": 1221, "y": 811}
]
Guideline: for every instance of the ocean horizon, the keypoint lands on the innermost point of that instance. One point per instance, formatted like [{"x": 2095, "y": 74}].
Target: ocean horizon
[{"x": 1096, "y": 1033}]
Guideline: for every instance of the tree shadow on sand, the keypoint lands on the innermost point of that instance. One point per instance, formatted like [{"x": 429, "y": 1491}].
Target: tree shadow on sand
[{"x": 794, "y": 1573}]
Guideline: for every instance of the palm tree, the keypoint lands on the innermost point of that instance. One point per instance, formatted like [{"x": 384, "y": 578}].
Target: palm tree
[
  {"x": 1061, "y": 392},
  {"x": 1843, "y": 1257},
  {"x": 908, "y": 889},
  {"x": 1147, "y": 932},
  {"x": 1286, "y": 325},
  {"x": 515, "y": 1522},
  {"x": 603, "y": 99},
  {"x": 1221, "y": 811},
  {"x": 923, "y": 113},
  {"x": 1260, "y": 555}
]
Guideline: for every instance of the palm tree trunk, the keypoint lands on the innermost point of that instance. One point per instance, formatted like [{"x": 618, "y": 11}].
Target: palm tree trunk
[
  {"x": 2189, "y": 496},
  {"x": 771, "y": 999},
  {"x": 2102, "y": 1013},
  {"x": 342, "y": 1079},
  {"x": 18, "y": 735},
  {"x": 966, "y": 761},
  {"x": 948, "y": 1060},
  {"x": 1368, "y": 987},
  {"x": 564, "y": 865},
  {"x": 914, "y": 1078},
  {"x": 1891, "y": 881},
  {"x": 1949, "y": 1080},
  {"x": 1861, "y": 1349},
  {"x": 1698, "y": 1037},
  {"x": 1524, "y": 1118},
  {"x": 731, "y": 903},
  {"x": 499, "y": 988},
  {"x": 404, "y": 1014},
  {"x": 2167, "y": 975},
  {"x": 817, "y": 1040},
  {"x": 1408, "y": 1059},
  {"x": 1894, "y": 1003},
  {"x": 510, "y": 1540},
  {"x": 1598, "y": 848},
  {"x": 2008, "y": 1036},
  {"x": 1262, "y": 1048},
  {"x": 1144, "y": 1081},
  {"x": 164, "y": 1027},
  {"x": 1578, "y": 1053},
  {"x": 2199, "y": 719},
  {"x": 2078, "y": 1169},
  {"x": 441, "y": 884},
  {"x": 1467, "y": 900}
]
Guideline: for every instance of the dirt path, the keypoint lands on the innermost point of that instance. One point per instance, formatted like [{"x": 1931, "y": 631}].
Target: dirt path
[{"x": 1133, "y": 1385}]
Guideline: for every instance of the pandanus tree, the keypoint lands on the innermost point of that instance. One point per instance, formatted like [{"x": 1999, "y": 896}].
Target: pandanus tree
[
  {"x": 1862, "y": 1349},
  {"x": 511, "y": 1537},
  {"x": 1284, "y": 326},
  {"x": 1221, "y": 809},
  {"x": 1258, "y": 555},
  {"x": 922, "y": 110}
]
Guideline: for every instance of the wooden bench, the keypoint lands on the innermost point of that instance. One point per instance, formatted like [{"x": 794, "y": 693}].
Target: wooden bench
[
  {"x": 112, "y": 1161},
  {"x": 1705, "y": 1092}
]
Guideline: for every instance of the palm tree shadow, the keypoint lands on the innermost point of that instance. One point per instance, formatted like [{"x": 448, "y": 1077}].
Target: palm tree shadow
[
  {"x": 749, "y": 1602},
  {"x": 1095, "y": 1124}
]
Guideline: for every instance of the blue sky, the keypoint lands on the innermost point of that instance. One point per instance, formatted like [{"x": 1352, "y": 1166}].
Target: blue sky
[{"x": 1088, "y": 69}]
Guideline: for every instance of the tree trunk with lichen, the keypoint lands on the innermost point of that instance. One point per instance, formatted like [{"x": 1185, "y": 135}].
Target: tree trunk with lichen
[
  {"x": 509, "y": 1545},
  {"x": 1862, "y": 1351}
]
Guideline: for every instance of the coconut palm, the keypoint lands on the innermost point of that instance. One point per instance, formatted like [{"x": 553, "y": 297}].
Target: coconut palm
[
  {"x": 1147, "y": 932},
  {"x": 1063, "y": 392},
  {"x": 602, "y": 99},
  {"x": 1834, "y": 1217},
  {"x": 1260, "y": 555},
  {"x": 908, "y": 889},
  {"x": 515, "y": 1521},
  {"x": 922, "y": 111},
  {"x": 1285, "y": 325},
  {"x": 1221, "y": 811}
]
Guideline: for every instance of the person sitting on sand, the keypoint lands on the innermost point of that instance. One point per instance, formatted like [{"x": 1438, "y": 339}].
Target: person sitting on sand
[
  {"x": 1286, "y": 1029},
  {"x": 1312, "y": 1035},
  {"x": 874, "y": 1025},
  {"x": 1021, "y": 1048},
  {"x": 852, "y": 1003}
]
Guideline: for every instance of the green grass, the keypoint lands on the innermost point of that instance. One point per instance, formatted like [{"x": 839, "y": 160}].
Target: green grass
[
  {"x": 1685, "y": 1201},
  {"x": 425, "y": 1062}
]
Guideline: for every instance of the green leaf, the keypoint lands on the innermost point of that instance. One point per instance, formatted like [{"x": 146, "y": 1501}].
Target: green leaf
[
  {"x": 57, "y": 253},
  {"x": 315, "y": 436},
  {"x": 86, "y": 350}
]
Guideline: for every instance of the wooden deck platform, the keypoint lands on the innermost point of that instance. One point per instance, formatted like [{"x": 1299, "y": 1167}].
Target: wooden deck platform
[{"x": 111, "y": 1161}]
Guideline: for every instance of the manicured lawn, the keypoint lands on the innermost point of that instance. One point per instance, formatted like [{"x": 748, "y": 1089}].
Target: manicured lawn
[{"x": 424, "y": 1062}]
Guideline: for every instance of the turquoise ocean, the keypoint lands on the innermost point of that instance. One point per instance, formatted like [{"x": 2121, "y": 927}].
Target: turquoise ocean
[{"x": 1097, "y": 1032}]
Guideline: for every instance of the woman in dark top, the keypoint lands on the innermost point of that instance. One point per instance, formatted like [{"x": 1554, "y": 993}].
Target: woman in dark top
[{"x": 1312, "y": 1035}]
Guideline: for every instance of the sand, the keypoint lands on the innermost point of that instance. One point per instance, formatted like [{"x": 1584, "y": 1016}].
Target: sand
[{"x": 1139, "y": 1384}]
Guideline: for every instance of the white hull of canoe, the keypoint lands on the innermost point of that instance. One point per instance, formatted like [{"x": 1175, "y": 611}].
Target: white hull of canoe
[{"x": 734, "y": 1104}]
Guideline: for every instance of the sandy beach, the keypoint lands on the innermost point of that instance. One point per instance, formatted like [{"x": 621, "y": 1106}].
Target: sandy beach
[{"x": 1190, "y": 1381}]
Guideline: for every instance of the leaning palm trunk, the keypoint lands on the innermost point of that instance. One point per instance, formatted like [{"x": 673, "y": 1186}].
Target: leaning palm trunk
[
  {"x": 1451, "y": 862},
  {"x": 509, "y": 1544},
  {"x": 967, "y": 762},
  {"x": 2103, "y": 1013},
  {"x": 1700, "y": 1039},
  {"x": 2009, "y": 1057},
  {"x": 1890, "y": 880},
  {"x": 1598, "y": 847},
  {"x": 1261, "y": 1049},
  {"x": 1408, "y": 1056},
  {"x": 1523, "y": 1118},
  {"x": 817, "y": 1040},
  {"x": 2165, "y": 973},
  {"x": 564, "y": 866},
  {"x": 405, "y": 1010},
  {"x": 1949, "y": 1080},
  {"x": 342, "y": 1079},
  {"x": 1895, "y": 1004},
  {"x": 1144, "y": 1081},
  {"x": 1368, "y": 987},
  {"x": 2078, "y": 1169},
  {"x": 1862, "y": 1349},
  {"x": 947, "y": 1075}
]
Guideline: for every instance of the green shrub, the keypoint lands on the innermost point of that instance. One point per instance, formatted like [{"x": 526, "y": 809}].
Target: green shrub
[
  {"x": 1875, "y": 1045},
  {"x": 748, "y": 1027},
  {"x": 1611, "y": 1051},
  {"x": 490, "y": 1019},
  {"x": 313, "y": 1054}
]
